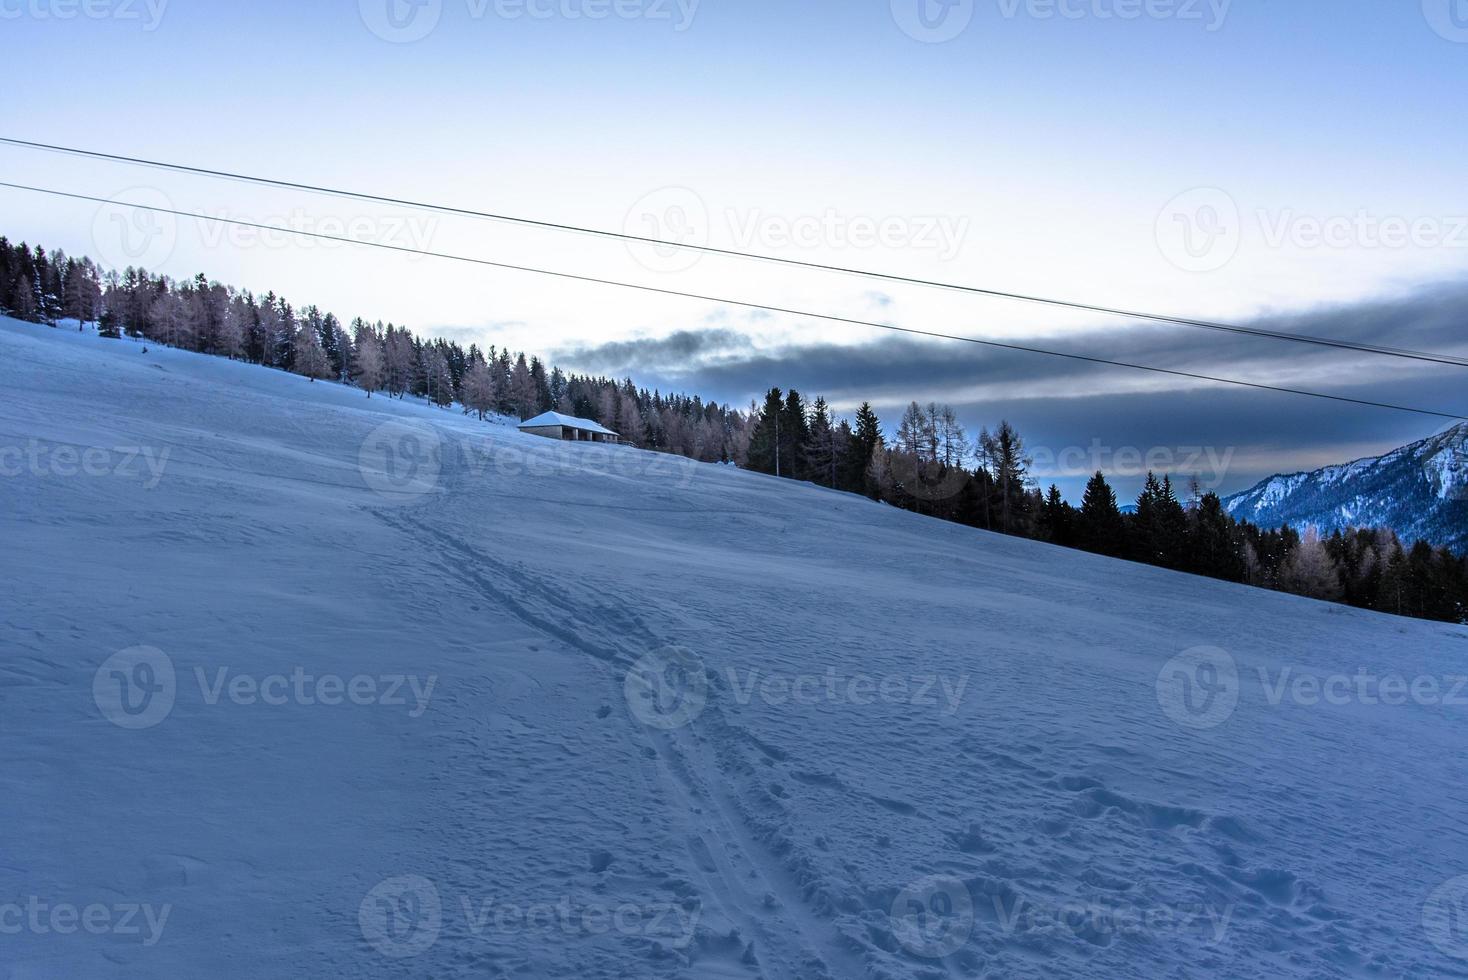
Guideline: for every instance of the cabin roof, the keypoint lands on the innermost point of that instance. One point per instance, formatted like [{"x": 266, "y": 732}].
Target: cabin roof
[{"x": 570, "y": 421}]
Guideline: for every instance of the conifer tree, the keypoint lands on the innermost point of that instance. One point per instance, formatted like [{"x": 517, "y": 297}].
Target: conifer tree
[
  {"x": 794, "y": 437},
  {"x": 1100, "y": 519},
  {"x": 763, "y": 455}
]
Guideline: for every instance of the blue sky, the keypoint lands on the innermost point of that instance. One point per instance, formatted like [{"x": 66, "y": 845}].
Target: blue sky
[{"x": 1051, "y": 147}]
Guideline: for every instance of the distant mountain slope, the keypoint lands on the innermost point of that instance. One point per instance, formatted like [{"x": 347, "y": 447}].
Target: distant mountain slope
[{"x": 1420, "y": 491}]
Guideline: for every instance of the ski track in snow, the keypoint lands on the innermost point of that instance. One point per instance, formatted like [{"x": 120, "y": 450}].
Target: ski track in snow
[{"x": 529, "y": 580}]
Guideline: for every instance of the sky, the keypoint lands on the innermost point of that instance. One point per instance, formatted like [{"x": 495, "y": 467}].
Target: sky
[{"x": 1294, "y": 164}]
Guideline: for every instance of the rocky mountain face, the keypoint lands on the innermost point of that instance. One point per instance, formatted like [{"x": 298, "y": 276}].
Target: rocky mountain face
[{"x": 1419, "y": 491}]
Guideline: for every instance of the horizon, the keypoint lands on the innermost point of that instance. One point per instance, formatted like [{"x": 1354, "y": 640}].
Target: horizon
[{"x": 1269, "y": 220}]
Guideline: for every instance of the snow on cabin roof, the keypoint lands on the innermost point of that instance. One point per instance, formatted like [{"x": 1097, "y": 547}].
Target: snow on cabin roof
[{"x": 556, "y": 418}]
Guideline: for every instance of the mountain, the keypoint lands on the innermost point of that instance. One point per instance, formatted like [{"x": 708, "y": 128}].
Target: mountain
[
  {"x": 298, "y": 683},
  {"x": 1419, "y": 491}
]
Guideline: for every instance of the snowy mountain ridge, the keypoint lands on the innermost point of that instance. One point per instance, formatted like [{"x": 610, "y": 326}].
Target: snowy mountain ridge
[{"x": 1419, "y": 491}]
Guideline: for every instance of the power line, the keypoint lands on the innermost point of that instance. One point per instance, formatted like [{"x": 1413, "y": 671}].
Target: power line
[
  {"x": 738, "y": 302},
  {"x": 1416, "y": 355}
]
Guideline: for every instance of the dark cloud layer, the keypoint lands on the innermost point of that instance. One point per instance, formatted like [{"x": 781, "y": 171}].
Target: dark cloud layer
[{"x": 1059, "y": 403}]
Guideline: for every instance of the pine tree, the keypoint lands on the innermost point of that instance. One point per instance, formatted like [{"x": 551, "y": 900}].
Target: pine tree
[
  {"x": 763, "y": 455},
  {"x": 1056, "y": 519},
  {"x": 857, "y": 457},
  {"x": 1215, "y": 547},
  {"x": 794, "y": 438},
  {"x": 1004, "y": 450},
  {"x": 820, "y": 451},
  {"x": 1100, "y": 520},
  {"x": 523, "y": 396}
]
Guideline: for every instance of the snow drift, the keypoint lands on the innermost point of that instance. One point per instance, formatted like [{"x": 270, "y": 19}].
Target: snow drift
[{"x": 298, "y": 683}]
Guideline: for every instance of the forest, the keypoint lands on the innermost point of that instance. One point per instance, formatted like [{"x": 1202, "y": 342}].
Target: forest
[{"x": 929, "y": 465}]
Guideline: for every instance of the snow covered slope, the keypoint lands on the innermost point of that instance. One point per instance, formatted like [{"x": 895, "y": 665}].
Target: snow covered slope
[
  {"x": 1419, "y": 491},
  {"x": 297, "y": 683}
]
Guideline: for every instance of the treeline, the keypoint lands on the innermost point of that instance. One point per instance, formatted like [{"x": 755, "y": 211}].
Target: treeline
[
  {"x": 930, "y": 466},
  {"x": 210, "y": 318}
]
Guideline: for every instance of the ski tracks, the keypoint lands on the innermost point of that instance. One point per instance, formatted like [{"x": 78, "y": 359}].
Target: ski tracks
[{"x": 746, "y": 864}]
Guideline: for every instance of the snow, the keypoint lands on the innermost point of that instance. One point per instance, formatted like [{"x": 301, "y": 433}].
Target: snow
[
  {"x": 1418, "y": 490},
  {"x": 301, "y": 683},
  {"x": 556, "y": 418}
]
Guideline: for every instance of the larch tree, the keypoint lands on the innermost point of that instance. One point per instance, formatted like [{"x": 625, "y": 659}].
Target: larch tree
[{"x": 310, "y": 360}]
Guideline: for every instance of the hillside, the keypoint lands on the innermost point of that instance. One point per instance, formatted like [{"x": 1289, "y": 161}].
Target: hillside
[
  {"x": 299, "y": 683},
  {"x": 1420, "y": 491}
]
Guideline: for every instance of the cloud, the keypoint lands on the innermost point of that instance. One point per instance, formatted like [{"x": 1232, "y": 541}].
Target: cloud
[
  {"x": 683, "y": 350},
  {"x": 1059, "y": 402}
]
